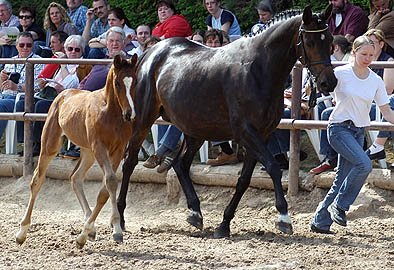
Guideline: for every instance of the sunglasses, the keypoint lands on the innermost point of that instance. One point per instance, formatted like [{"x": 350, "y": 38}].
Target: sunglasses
[
  {"x": 28, "y": 45},
  {"x": 25, "y": 17},
  {"x": 70, "y": 49}
]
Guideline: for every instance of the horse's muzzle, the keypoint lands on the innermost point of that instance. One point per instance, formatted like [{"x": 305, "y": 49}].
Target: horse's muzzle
[
  {"x": 327, "y": 85},
  {"x": 127, "y": 116}
]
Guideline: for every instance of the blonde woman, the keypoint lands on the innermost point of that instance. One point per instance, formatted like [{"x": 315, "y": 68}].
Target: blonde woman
[
  {"x": 358, "y": 86},
  {"x": 56, "y": 19}
]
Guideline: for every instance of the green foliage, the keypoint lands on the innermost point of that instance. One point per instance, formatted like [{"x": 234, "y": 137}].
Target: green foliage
[{"x": 144, "y": 11}]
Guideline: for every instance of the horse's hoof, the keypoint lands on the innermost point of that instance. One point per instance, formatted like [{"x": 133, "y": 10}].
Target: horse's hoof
[
  {"x": 284, "y": 227},
  {"x": 222, "y": 231},
  {"x": 92, "y": 236},
  {"x": 81, "y": 241},
  {"x": 195, "y": 220},
  {"x": 118, "y": 237},
  {"x": 20, "y": 239}
]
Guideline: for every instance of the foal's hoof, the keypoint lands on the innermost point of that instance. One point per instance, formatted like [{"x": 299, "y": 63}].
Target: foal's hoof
[
  {"x": 284, "y": 227},
  {"x": 118, "y": 237},
  {"x": 195, "y": 219},
  {"x": 81, "y": 241},
  {"x": 92, "y": 236},
  {"x": 222, "y": 231},
  {"x": 20, "y": 239}
]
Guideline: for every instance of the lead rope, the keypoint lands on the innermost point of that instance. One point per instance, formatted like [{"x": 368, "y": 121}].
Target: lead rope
[{"x": 313, "y": 96}]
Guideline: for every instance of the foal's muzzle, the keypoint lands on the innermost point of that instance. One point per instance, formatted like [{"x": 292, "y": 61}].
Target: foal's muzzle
[{"x": 127, "y": 116}]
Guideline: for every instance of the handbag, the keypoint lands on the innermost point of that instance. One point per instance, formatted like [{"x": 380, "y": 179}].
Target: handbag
[{"x": 47, "y": 93}]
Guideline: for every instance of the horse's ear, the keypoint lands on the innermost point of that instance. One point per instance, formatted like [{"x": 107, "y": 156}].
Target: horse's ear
[
  {"x": 133, "y": 60},
  {"x": 118, "y": 61},
  {"x": 307, "y": 15},
  {"x": 326, "y": 13}
]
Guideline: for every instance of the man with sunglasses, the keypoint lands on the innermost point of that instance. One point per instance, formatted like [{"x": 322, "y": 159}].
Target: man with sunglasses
[
  {"x": 94, "y": 28},
  {"x": 11, "y": 87}
]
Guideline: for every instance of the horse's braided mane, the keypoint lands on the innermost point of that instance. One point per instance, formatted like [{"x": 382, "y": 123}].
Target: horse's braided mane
[{"x": 279, "y": 17}]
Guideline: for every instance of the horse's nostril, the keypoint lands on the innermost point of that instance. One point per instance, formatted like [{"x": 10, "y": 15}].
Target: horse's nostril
[{"x": 127, "y": 116}]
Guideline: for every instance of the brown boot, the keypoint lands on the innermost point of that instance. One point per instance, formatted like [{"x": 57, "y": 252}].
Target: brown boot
[
  {"x": 223, "y": 159},
  {"x": 152, "y": 162}
]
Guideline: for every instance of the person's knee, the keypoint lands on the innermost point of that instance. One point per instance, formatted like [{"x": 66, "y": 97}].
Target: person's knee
[
  {"x": 20, "y": 106},
  {"x": 365, "y": 165}
]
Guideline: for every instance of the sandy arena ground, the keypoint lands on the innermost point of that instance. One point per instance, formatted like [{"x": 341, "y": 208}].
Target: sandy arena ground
[{"x": 158, "y": 236}]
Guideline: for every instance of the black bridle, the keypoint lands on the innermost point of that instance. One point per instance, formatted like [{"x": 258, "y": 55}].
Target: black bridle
[{"x": 305, "y": 61}]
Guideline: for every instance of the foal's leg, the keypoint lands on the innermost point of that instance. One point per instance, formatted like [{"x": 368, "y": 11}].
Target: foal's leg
[
  {"x": 181, "y": 165},
  {"x": 77, "y": 178},
  {"x": 242, "y": 185},
  {"x": 51, "y": 142},
  {"x": 108, "y": 190},
  {"x": 252, "y": 141}
]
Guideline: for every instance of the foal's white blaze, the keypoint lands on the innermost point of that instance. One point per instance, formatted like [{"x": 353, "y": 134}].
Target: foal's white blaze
[
  {"x": 128, "y": 81},
  {"x": 284, "y": 218}
]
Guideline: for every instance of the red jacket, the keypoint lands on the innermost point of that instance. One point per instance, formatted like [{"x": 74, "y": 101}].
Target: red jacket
[{"x": 175, "y": 26}]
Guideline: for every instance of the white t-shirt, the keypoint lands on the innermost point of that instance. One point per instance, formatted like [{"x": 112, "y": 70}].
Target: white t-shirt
[{"x": 354, "y": 96}]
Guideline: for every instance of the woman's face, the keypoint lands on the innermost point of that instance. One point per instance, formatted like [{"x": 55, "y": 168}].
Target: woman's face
[
  {"x": 264, "y": 16},
  {"x": 364, "y": 55},
  {"x": 164, "y": 13},
  {"x": 378, "y": 45},
  {"x": 73, "y": 50},
  {"x": 55, "y": 16},
  {"x": 380, "y": 4},
  {"x": 114, "y": 21}
]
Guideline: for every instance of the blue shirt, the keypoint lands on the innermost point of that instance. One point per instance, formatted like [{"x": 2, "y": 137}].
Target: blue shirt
[
  {"x": 98, "y": 27},
  {"x": 78, "y": 16},
  {"x": 12, "y": 22},
  {"x": 225, "y": 16}
]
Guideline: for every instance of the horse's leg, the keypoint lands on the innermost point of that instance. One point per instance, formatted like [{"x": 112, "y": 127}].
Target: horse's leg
[
  {"x": 108, "y": 190},
  {"x": 51, "y": 143},
  {"x": 181, "y": 165},
  {"x": 242, "y": 185},
  {"x": 254, "y": 144},
  {"x": 77, "y": 178},
  {"x": 127, "y": 169}
]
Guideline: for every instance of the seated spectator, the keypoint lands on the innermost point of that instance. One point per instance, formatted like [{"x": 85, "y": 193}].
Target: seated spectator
[
  {"x": 7, "y": 19},
  {"x": 77, "y": 13},
  {"x": 94, "y": 28},
  {"x": 198, "y": 36},
  {"x": 27, "y": 20},
  {"x": 116, "y": 17},
  {"x": 342, "y": 49},
  {"x": 382, "y": 17},
  {"x": 347, "y": 20},
  {"x": 330, "y": 161},
  {"x": 67, "y": 76},
  {"x": 266, "y": 11},
  {"x": 11, "y": 85},
  {"x": 143, "y": 32},
  {"x": 170, "y": 23},
  {"x": 221, "y": 19},
  {"x": 56, "y": 19}
]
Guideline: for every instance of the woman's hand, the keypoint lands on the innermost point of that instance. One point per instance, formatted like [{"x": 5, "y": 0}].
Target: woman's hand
[
  {"x": 388, "y": 114},
  {"x": 9, "y": 85},
  {"x": 60, "y": 55}
]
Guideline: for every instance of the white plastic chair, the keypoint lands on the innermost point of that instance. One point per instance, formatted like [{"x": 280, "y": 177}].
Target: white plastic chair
[
  {"x": 373, "y": 134},
  {"x": 10, "y": 132}
]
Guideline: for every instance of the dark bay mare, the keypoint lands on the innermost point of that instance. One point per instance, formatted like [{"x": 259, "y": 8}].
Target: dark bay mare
[{"x": 232, "y": 92}]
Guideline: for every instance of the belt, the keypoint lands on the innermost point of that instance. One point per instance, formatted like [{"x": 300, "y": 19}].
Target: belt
[{"x": 349, "y": 122}]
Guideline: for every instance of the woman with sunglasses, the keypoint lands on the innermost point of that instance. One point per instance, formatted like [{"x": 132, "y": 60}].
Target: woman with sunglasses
[
  {"x": 12, "y": 77},
  {"x": 67, "y": 76},
  {"x": 56, "y": 18}
]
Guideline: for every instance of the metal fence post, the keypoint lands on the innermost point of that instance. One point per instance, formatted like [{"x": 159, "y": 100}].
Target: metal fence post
[
  {"x": 294, "y": 163},
  {"x": 28, "y": 127}
]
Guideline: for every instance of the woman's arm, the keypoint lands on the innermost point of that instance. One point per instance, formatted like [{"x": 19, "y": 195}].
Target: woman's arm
[
  {"x": 388, "y": 114},
  {"x": 388, "y": 78}
]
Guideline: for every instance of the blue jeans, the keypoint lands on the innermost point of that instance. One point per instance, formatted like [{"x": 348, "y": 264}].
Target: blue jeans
[
  {"x": 7, "y": 104},
  {"x": 8, "y": 51},
  {"x": 325, "y": 147},
  {"x": 354, "y": 167},
  {"x": 168, "y": 136},
  {"x": 41, "y": 106},
  {"x": 386, "y": 134},
  {"x": 279, "y": 141}
]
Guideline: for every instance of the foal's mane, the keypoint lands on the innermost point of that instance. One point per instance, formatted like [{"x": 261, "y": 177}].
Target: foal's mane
[{"x": 278, "y": 18}]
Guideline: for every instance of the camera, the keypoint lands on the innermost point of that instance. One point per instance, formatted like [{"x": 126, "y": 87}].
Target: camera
[{"x": 14, "y": 77}]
